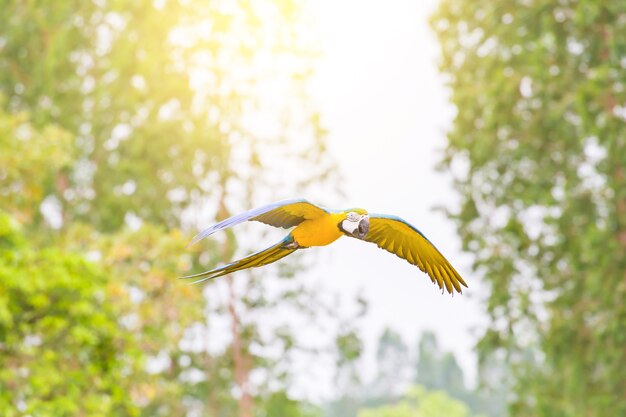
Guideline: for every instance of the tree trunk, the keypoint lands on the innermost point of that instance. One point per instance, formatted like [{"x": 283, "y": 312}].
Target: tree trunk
[{"x": 241, "y": 359}]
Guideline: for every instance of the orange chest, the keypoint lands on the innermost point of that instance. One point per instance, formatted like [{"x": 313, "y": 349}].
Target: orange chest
[{"x": 318, "y": 232}]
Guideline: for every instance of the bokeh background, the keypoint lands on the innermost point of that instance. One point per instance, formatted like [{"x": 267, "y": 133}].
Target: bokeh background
[{"x": 498, "y": 129}]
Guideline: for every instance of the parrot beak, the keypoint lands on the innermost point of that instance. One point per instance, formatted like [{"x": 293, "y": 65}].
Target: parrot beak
[{"x": 364, "y": 226}]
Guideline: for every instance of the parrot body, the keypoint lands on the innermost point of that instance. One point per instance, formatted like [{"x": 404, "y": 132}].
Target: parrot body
[
  {"x": 317, "y": 226},
  {"x": 319, "y": 232}
]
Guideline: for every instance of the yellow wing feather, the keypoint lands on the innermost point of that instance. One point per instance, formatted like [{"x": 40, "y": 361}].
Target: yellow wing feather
[
  {"x": 292, "y": 214},
  {"x": 286, "y": 213},
  {"x": 402, "y": 239}
]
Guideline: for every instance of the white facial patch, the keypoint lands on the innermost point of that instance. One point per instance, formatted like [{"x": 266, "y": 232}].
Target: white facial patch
[
  {"x": 353, "y": 217},
  {"x": 349, "y": 226},
  {"x": 351, "y": 223}
]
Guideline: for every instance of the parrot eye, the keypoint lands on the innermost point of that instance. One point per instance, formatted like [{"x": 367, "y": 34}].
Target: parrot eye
[{"x": 352, "y": 216}]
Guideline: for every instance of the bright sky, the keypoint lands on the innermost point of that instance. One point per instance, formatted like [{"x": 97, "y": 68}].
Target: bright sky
[{"x": 384, "y": 103}]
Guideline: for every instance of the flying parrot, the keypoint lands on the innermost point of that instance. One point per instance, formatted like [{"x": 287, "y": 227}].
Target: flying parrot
[{"x": 317, "y": 226}]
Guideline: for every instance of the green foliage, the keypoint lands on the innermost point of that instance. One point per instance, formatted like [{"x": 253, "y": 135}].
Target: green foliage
[
  {"x": 120, "y": 123},
  {"x": 349, "y": 346},
  {"x": 105, "y": 72},
  {"x": 63, "y": 350},
  {"x": 420, "y": 402},
  {"x": 392, "y": 359},
  {"x": 538, "y": 148},
  {"x": 348, "y": 385},
  {"x": 439, "y": 370},
  {"x": 437, "y": 375},
  {"x": 431, "y": 361},
  {"x": 154, "y": 306},
  {"x": 156, "y": 96},
  {"x": 279, "y": 404},
  {"x": 30, "y": 162}
]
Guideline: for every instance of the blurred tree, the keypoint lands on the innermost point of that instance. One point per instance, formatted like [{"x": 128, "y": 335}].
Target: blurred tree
[
  {"x": 349, "y": 389},
  {"x": 438, "y": 370},
  {"x": 63, "y": 351},
  {"x": 134, "y": 279},
  {"x": 491, "y": 396},
  {"x": 419, "y": 402},
  {"x": 105, "y": 73},
  {"x": 133, "y": 119},
  {"x": 157, "y": 95},
  {"x": 155, "y": 308},
  {"x": 279, "y": 404},
  {"x": 30, "y": 160},
  {"x": 538, "y": 149},
  {"x": 394, "y": 368}
]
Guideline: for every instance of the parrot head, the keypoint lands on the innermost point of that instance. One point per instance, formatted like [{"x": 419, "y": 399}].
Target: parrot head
[{"x": 356, "y": 224}]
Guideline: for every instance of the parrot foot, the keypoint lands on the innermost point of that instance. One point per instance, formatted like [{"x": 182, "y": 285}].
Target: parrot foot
[{"x": 292, "y": 245}]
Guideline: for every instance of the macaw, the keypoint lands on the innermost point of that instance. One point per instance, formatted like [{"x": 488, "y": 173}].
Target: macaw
[{"x": 318, "y": 226}]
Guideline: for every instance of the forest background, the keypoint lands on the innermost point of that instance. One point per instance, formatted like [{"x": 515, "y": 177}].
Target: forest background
[{"x": 125, "y": 126}]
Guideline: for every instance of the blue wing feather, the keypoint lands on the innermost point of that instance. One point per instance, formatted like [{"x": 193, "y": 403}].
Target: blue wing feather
[{"x": 279, "y": 221}]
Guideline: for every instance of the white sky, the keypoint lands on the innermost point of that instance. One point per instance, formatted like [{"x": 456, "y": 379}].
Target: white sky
[{"x": 384, "y": 103}]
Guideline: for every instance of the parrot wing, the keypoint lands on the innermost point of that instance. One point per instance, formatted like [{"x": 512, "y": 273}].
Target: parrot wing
[
  {"x": 264, "y": 257},
  {"x": 404, "y": 240},
  {"x": 286, "y": 214}
]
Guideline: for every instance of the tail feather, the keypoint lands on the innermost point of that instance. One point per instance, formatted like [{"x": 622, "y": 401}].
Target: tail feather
[{"x": 264, "y": 257}]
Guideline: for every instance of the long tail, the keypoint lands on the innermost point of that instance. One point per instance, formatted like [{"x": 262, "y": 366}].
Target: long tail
[{"x": 267, "y": 256}]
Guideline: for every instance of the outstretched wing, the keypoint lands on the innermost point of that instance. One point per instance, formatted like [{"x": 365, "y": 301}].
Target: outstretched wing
[
  {"x": 399, "y": 237},
  {"x": 286, "y": 213},
  {"x": 261, "y": 258}
]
